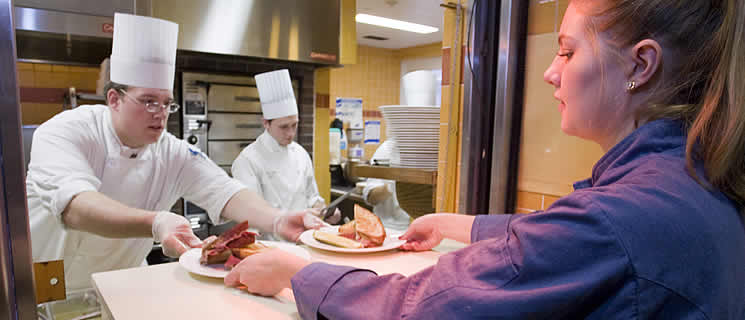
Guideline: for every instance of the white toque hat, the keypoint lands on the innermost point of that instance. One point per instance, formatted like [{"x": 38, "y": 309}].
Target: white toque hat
[
  {"x": 276, "y": 94},
  {"x": 144, "y": 51}
]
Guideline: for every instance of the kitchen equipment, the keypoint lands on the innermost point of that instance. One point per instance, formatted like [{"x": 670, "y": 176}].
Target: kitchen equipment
[
  {"x": 80, "y": 31},
  {"x": 334, "y": 146},
  {"x": 328, "y": 211}
]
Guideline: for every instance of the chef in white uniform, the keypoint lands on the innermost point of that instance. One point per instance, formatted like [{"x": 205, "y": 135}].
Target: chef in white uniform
[
  {"x": 275, "y": 166},
  {"x": 101, "y": 178}
]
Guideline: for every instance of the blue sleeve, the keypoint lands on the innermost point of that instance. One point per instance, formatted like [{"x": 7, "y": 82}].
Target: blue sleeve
[
  {"x": 489, "y": 226},
  {"x": 542, "y": 266}
]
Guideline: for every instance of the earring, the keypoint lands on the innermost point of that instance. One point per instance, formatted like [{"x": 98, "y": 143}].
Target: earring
[{"x": 631, "y": 85}]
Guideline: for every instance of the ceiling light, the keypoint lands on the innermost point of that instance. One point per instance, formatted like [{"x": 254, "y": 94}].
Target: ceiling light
[{"x": 394, "y": 24}]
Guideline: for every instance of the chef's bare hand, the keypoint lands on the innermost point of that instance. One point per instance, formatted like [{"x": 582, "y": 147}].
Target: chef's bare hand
[
  {"x": 266, "y": 273},
  {"x": 423, "y": 234},
  {"x": 290, "y": 225},
  {"x": 174, "y": 233}
]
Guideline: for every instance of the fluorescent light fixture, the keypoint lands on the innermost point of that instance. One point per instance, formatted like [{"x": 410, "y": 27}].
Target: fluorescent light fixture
[{"x": 394, "y": 24}]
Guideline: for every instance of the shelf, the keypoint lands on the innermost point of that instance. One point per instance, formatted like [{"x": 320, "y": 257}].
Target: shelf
[{"x": 409, "y": 175}]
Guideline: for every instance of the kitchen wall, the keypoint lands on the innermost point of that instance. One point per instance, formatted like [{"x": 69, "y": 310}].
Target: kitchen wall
[
  {"x": 376, "y": 78},
  {"x": 550, "y": 161},
  {"x": 42, "y": 88}
]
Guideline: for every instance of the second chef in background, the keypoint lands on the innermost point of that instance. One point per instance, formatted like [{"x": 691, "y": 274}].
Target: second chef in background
[{"x": 275, "y": 166}]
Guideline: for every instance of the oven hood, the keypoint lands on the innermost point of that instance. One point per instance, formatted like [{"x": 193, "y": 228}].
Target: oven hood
[
  {"x": 295, "y": 30},
  {"x": 80, "y": 31}
]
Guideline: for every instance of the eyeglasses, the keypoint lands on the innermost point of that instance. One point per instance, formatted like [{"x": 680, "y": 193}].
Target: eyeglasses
[{"x": 154, "y": 106}]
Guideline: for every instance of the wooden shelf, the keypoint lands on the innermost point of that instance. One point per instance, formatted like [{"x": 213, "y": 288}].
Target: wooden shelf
[{"x": 409, "y": 175}]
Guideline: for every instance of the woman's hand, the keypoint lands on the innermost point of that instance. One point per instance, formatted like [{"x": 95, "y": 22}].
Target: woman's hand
[
  {"x": 266, "y": 273},
  {"x": 423, "y": 234},
  {"x": 427, "y": 231}
]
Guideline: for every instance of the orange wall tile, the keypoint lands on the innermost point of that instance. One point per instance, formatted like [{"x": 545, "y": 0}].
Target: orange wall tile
[
  {"x": 374, "y": 79},
  {"x": 37, "y": 113},
  {"x": 49, "y": 76}
]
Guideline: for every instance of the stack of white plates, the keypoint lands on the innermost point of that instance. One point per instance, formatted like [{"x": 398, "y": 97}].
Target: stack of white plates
[{"x": 415, "y": 130}]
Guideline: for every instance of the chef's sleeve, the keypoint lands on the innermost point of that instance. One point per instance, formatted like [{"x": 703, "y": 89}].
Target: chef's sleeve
[
  {"x": 207, "y": 185},
  {"x": 541, "y": 266},
  {"x": 60, "y": 163},
  {"x": 243, "y": 171}
]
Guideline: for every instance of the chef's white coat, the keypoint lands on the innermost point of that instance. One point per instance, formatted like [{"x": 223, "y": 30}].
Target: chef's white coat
[
  {"x": 283, "y": 176},
  {"x": 78, "y": 150}
]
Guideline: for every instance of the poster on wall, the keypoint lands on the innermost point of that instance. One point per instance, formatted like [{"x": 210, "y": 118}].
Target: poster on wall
[
  {"x": 349, "y": 110},
  {"x": 372, "y": 131}
]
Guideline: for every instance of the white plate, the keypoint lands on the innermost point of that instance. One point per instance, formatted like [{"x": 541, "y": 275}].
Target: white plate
[
  {"x": 391, "y": 242},
  {"x": 190, "y": 259}
]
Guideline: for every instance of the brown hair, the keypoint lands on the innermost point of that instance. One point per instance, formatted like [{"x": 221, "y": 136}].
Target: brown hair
[{"x": 704, "y": 85}]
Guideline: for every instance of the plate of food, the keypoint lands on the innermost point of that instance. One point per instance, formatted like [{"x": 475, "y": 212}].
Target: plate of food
[
  {"x": 363, "y": 234},
  {"x": 221, "y": 253}
]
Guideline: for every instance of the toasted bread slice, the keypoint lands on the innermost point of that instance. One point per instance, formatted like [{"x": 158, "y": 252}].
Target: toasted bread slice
[
  {"x": 248, "y": 250},
  {"x": 348, "y": 229},
  {"x": 368, "y": 226},
  {"x": 336, "y": 240}
]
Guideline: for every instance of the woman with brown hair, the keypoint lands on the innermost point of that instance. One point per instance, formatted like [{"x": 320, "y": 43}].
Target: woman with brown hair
[{"x": 656, "y": 232}]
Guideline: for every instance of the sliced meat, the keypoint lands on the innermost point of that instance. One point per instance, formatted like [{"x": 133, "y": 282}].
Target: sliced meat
[
  {"x": 244, "y": 239},
  {"x": 231, "y": 262},
  {"x": 231, "y": 234}
]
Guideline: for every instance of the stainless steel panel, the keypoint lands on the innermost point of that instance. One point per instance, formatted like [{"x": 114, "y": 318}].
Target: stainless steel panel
[
  {"x": 89, "y": 7},
  {"x": 233, "y": 98},
  {"x": 64, "y": 22},
  {"x": 17, "y": 298},
  {"x": 190, "y": 78},
  {"x": 224, "y": 152},
  {"x": 506, "y": 95},
  {"x": 296, "y": 30},
  {"x": 232, "y": 126}
]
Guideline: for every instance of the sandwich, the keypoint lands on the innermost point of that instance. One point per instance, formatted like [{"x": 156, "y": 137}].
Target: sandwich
[
  {"x": 231, "y": 247},
  {"x": 364, "y": 231},
  {"x": 369, "y": 228}
]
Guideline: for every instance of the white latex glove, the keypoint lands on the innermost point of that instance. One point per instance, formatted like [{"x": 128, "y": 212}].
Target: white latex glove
[
  {"x": 333, "y": 219},
  {"x": 289, "y": 225},
  {"x": 174, "y": 233}
]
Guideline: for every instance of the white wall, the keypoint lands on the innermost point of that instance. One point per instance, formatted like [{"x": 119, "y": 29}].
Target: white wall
[{"x": 415, "y": 64}]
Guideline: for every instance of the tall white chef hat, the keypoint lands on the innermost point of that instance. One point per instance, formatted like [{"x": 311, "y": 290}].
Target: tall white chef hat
[
  {"x": 144, "y": 51},
  {"x": 276, "y": 94}
]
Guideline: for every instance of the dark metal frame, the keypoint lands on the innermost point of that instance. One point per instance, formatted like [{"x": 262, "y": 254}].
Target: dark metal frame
[
  {"x": 492, "y": 116},
  {"x": 480, "y": 76},
  {"x": 16, "y": 268},
  {"x": 509, "y": 105}
]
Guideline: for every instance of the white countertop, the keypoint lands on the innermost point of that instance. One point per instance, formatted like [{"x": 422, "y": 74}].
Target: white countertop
[{"x": 168, "y": 291}]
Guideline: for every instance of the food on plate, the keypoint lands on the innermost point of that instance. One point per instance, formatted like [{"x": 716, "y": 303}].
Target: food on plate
[
  {"x": 231, "y": 247},
  {"x": 366, "y": 229},
  {"x": 349, "y": 230},
  {"x": 336, "y": 240}
]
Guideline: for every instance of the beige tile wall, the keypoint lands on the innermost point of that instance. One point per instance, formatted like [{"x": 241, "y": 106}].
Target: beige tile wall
[
  {"x": 35, "y": 77},
  {"x": 550, "y": 161},
  {"x": 374, "y": 78}
]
